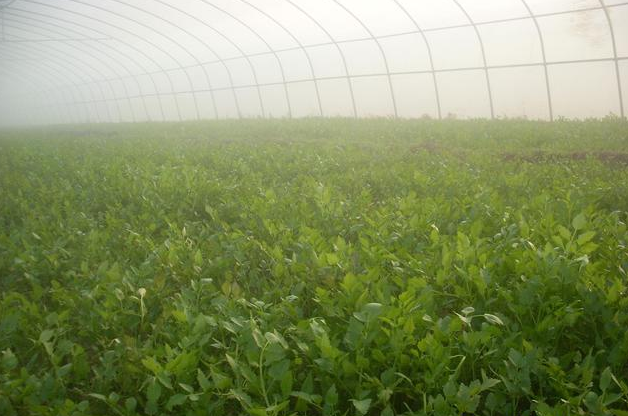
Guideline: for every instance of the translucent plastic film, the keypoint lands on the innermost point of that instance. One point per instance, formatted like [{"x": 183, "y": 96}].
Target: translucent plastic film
[{"x": 75, "y": 61}]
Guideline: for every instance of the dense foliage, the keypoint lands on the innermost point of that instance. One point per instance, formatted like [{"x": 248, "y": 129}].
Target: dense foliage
[{"x": 315, "y": 267}]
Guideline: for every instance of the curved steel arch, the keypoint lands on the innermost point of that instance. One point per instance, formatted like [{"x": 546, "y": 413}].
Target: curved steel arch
[
  {"x": 55, "y": 76},
  {"x": 429, "y": 54},
  {"x": 543, "y": 57},
  {"x": 137, "y": 22},
  {"x": 119, "y": 78},
  {"x": 91, "y": 72},
  {"x": 199, "y": 64},
  {"x": 35, "y": 92},
  {"x": 221, "y": 60},
  {"x": 248, "y": 59},
  {"x": 296, "y": 40},
  {"x": 485, "y": 65},
  {"x": 381, "y": 50},
  {"x": 237, "y": 47},
  {"x": 44, "y": 70},
  {"x": 64, "y": 70},
  {"x": 178, "y": 64},
  {"x": 157, "y": 47},
  {"x": 615, "y": 57},
  {"x": 130, "y": 58},
  {"x": 121, "y": 62},
  {"x": 50, "y": 51},
  {"x": 7, "y": 4},
  {"x": 89, "y": 53},
  {"x": 340, "y": 51}
]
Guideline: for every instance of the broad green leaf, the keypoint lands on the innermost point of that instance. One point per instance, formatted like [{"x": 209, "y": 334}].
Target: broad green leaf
[
  {"x": 98, "y": 396},
  {"x": 176, "y": 400},
  {"x": 221, "y": 381},
  {"x": 387, "y": 411},
  {"x": 276, "y": 338},
  {"x": 9, "y": 360},
  {"x": 310, "y": 398},
  {"x": 362, "y": 406},
  {"x": 585, "y": 237},
  {"x": 198, "y": 258},
  {"x": 164, "y": 380},
  {"x": 564, "y": 233},
  {"x": 202, "y": 380},
  {"x": 579, "y": 222},
  {"x": 187, "y": 387},
  {"x": 46, "y": 335},
  {"x": 130, "y": 404},
  {"x": 152, "y": 365},
  {"x": 286, "y": 383},
  {"x": 331, "y": 397},
  {"x": 153, "y": 392},
  {"x": 605, "y": 379}
]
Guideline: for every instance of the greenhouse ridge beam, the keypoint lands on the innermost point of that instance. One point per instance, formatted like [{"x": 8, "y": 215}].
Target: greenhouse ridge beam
[
  {"x": 221, "y": 60},
  {"x": 153, "y": 44}
]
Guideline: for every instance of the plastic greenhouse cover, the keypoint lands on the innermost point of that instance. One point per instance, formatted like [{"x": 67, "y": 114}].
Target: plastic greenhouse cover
[{"x": 69, "y": 61}]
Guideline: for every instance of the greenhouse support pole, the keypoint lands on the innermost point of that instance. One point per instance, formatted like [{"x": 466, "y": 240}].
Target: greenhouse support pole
[
  {"x": 381, "y": 50},
  {"x": 340, "y": 52},
  {"x": 614, "y": 43},
  {"x": 429, "y": 55},
  {"x": 544, "y": 57},
  {"x": 474, "y": 25},
  {"x": 300, "y": 45}
]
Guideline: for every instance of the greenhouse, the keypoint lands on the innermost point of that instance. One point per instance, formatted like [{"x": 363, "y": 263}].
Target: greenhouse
[
  {"x": 87, "y": 61},
  {"x": 325, "y": 208}
]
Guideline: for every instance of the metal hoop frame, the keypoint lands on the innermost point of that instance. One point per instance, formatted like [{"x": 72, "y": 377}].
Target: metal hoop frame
[{"x": 60, "y": 84}]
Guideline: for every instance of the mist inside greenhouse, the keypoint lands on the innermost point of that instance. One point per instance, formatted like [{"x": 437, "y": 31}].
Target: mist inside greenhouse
[{"x": 313, "y": 208}]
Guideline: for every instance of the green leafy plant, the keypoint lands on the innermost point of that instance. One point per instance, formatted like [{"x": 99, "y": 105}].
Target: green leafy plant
[{"x": 315, "y": 267}]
